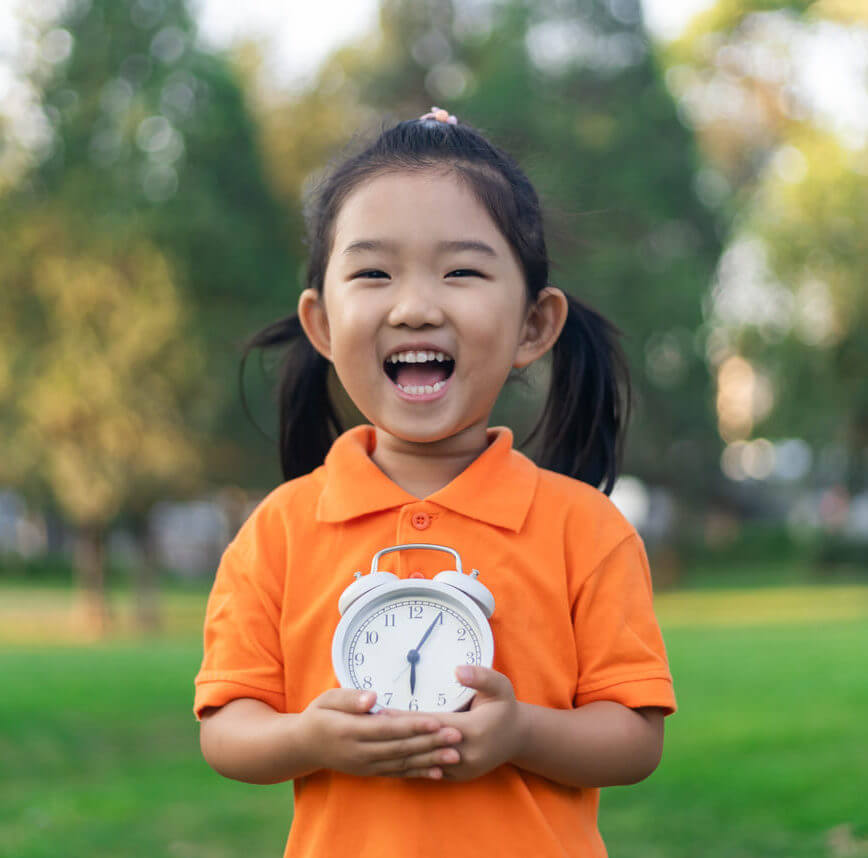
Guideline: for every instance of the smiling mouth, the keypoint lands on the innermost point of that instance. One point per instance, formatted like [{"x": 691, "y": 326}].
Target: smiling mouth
[{"x": 418, "y": 372}]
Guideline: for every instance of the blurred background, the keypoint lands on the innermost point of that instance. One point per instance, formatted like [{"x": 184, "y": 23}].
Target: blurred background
[{"x": 704, "y": 167}]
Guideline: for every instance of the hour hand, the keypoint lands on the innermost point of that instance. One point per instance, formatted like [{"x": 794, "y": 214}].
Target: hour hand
[{"x": 413, "y": 658}]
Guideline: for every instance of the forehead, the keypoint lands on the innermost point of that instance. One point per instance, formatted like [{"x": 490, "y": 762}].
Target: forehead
[{"x": 415, "y": 209}]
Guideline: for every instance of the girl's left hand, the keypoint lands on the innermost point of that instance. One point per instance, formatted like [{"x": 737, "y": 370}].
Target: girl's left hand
[{"x": 493, "y": 728}]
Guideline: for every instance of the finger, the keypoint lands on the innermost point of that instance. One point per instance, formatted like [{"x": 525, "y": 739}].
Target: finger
[
  {"x": 439, "y": 759},
  {"x": 489, "y": 682},
  {"x": 379, "y": 729},
  {"x": 394, "y": 751},
  {"x": 346, "y": 700},
  {"x": 400, "y": 713},
  {"x": 435, "y": 774}
]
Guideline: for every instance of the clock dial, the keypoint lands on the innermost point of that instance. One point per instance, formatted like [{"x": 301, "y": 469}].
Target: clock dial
[{"x": 406, "y": 648}]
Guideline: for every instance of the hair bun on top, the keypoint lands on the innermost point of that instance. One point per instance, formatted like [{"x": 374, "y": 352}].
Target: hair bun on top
[{"x": 440, "y": 115}]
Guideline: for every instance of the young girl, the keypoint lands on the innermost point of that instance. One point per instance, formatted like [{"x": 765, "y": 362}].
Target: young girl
[{"x": 427, "y": 285}]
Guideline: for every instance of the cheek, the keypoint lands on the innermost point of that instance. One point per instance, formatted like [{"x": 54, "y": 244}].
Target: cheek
[
  {"x": 352, "y": 321},
  {"x": 494, "y": 327}
]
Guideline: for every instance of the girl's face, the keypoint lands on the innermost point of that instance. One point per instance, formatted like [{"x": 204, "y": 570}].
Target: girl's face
[{"x": 424, "y": 308}]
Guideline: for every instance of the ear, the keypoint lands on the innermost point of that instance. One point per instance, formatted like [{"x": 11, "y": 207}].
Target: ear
[
  {"x": 543, "y": 325},
  {"x": 314, "y": 322}
]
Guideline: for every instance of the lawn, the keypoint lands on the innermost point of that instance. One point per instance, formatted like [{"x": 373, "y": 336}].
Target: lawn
[{"x": 766, "y": 758}]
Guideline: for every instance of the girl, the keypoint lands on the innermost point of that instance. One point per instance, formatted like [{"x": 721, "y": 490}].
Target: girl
[{"x": 427, "y": 285}]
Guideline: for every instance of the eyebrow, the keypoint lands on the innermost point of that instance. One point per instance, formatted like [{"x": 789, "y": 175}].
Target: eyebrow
[{"x": 454, "y": 246}]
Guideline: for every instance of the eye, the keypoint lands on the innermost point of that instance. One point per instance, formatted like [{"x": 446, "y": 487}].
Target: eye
[
  {"x": 371, "y": 273},
  {"x": 464, "y": 272}
]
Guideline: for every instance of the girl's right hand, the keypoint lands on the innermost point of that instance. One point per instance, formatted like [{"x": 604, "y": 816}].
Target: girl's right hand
[{"x": 349, "y": 739}]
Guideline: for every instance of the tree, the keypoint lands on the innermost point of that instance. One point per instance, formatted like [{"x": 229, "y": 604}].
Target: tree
[
  {"x": 141, "y": 247},
  {"x": 98, "y": 403},
  {"x": 789, "y": 297}
]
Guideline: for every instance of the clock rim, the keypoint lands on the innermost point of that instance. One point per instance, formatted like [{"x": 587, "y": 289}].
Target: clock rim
[{"x": 406, "y": 586}]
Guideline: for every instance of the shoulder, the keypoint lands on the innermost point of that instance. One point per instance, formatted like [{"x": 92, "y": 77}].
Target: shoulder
[
  {"x": 578, "y": 499},
  {"x": 589, "y": 516},
  {"x": 289, "y": 495}
]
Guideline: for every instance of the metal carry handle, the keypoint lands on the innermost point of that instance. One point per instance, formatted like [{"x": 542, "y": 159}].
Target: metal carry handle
[{"x": 451, "y": 551}]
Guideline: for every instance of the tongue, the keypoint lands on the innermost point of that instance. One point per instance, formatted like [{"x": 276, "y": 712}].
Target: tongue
[{"x": 410, "y": 374}]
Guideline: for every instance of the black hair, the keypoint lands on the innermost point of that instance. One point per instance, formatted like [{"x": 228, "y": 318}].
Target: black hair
[{"x": 581, "y": 430}]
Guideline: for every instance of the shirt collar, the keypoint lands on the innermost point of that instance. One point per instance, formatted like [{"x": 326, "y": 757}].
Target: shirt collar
[{"x": 496, "y": 488}]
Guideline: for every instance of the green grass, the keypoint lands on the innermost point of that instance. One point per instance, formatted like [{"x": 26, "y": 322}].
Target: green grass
[
  {"x": 100, "y": 757},
  {"x": 767, "y": 754},
  {"x": 766, "y": 758}
]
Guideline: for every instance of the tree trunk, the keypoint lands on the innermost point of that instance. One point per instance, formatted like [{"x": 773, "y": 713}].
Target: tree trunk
[
  {"x": 90, "y": 571},
  {"x": 147, "y": 606}
]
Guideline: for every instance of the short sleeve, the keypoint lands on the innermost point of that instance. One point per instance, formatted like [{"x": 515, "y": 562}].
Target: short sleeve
[
  {"x": 242, "y": 652},
  {"x": 621, "y": 653}
]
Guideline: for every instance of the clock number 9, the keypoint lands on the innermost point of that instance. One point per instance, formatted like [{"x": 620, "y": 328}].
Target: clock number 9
[{"x": 359, "y": 659}]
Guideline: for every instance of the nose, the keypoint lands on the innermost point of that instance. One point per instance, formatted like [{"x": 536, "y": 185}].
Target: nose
[{"x": 416, "y": 305}]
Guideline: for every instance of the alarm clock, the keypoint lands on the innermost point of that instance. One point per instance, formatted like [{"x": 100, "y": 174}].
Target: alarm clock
[{"x": 403, "y": 638}]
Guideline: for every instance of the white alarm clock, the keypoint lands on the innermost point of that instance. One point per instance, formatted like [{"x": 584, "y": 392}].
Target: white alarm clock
[{"x": 403, "y": 638}]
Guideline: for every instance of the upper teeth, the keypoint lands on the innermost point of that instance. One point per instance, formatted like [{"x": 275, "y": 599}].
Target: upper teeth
[{"x": 417, "y": 357}]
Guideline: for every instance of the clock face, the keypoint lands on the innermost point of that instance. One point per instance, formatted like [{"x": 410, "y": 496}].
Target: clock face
[{"x": 404, "y": 642}]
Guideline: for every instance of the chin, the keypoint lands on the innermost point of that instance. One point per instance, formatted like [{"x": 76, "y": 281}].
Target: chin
[
  {"x": 421, "y": 436},
  {"x": 422, "y": 432}
]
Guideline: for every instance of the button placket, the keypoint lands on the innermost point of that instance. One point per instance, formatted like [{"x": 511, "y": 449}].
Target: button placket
[{"x": 414, "y": 522}]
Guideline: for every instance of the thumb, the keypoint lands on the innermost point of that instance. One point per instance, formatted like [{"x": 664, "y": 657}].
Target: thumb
[
  {"x": 346, "y": 700},
  {"x": 488, "y": 682}
]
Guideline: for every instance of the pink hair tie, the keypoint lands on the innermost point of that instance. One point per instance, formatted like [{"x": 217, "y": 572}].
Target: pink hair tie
[{"x": 441, "y": 116}]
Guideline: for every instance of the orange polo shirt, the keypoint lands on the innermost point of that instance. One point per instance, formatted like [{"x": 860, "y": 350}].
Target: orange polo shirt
[{"x": 573, "y": 623}]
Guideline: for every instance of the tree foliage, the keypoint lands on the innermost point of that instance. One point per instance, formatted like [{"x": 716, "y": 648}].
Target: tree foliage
[
  {"x": 147, "y": 224},
  {"x": 139, "y": 249},
  {"x": 790, "y": 296}
]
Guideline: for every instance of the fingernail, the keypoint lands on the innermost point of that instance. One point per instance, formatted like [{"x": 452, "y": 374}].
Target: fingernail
[
  {"x": 450, "y": 735},
  {"x": 367, "y": 698},
  {"x": 449, "y": 756},
  {"x": 464, "y": 673},
  {"x": 435, "y": 774}
]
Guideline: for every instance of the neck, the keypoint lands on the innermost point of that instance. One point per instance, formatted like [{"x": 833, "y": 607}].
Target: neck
[{"x": 422, "y": 468}]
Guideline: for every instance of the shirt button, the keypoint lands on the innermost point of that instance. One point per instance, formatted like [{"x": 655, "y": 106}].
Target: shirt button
[{"x": 421, "y": 520}]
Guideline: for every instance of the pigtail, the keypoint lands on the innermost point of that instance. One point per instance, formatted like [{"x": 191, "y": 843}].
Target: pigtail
[
  {"x": 583, "y": 424},
  {"x": 308, "y": 419}
]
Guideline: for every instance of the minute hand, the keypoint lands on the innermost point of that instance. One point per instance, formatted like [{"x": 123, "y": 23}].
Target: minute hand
[
  {"x": 413, "y": 654},
  {"x": 428, "y": 632}
]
